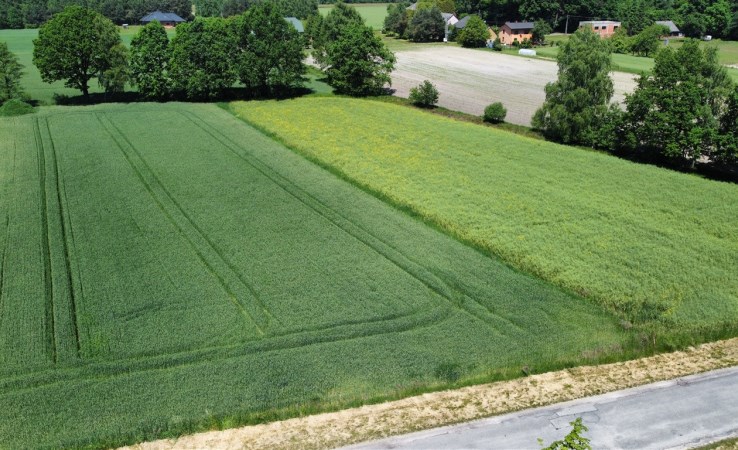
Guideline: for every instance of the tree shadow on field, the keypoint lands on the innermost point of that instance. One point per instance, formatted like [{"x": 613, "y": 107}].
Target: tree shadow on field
[{"x": 227, "y": 95}]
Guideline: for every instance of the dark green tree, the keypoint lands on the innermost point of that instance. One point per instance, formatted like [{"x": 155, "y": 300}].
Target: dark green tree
[
  {"x": 620, "y": 42},
  {"x": 11, "y": 72},
  {"x": 234, "y": 7},
  {"x": 539, "y": 32},
  {"x": 328, "y": 29},
  {"x": 733, "y": 27},
  {"x": 396, "y": 20},
  {"x": 115, "y": 77},
  {"x": 302, "y": 9},
  {"x": 150, "y": 61},
  {"x": 648, "y": 41},
  {"x": 202, "y": 55},
  {"x": 358, "y": 63},
  {"x": 427, "y": 25},
  {"x": 577, "y": 103},
  {"x": 675, "y": 110},
  {"x": 269, "y": 49},
  {"x": 75, "y": 46},
  {"x": 208, "y": 8},
  {"x": 634, "y": 16},
  {"x": 727, "y": 151},
  {"x": 474, "y": 34}
]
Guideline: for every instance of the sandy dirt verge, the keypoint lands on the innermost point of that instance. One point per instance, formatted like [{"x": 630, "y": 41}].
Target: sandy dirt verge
[
  {"x": 469, "y": 80},
  {"x": 447, "y": 407}
]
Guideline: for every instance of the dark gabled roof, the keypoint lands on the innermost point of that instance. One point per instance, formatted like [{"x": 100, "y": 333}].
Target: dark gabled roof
[
  {"x": 162, "y": 17},
  {"x": 668, "y": 23},
  {"x": 520, "y": 25},
  {"x": 296, "y": 23},
  {"x": 462, "y": 22}
]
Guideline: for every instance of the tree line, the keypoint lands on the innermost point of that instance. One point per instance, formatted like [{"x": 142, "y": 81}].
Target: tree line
[
  {"x": 258, "y": 49},
  {"x": 695, "y": 18},
  {"x": 684, "y": 112}
]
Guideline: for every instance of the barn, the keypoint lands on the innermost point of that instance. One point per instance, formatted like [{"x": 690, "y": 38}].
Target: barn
[{"x": 169, "y": 19}]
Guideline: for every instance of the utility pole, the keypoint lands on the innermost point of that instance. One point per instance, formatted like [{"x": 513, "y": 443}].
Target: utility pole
[{"x": 566, "y": 28}]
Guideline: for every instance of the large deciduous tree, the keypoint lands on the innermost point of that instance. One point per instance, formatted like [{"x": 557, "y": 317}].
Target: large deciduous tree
[
  {"x": 675, "y": 111},
  {"x": 202, "y": 55},
  {"x": 358, "y": 63},
  {"x": 326, "y": 31},
  {"x": 76, "y": 46},
  {"x": 577, "y": 103},
  {"x": 150, "y": 61},
  {"x": 270, "y": 50},
  {"x": 427, "y": 25},
  {"x": 474, "y": 34},
  {"x": 11, "y": 72}
]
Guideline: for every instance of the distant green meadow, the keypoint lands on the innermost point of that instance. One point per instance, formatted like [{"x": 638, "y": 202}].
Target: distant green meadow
[
  {"x": 166, "y": 268},
  {"x": 373, "y": 13},
  {"x": 655, "y": 247}
]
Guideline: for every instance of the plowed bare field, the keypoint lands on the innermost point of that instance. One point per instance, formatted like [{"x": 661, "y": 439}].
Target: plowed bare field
[{"x": 468, "y": 80}]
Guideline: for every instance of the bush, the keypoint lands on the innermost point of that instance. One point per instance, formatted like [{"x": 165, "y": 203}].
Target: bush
[
  {"x": 425, "y": 94},
  {"x": 495, "y": 113},
  {"x": 15, "y": 107}
]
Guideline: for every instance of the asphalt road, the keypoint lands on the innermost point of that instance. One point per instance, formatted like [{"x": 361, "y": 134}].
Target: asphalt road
[{"x": 682, "y": 413}]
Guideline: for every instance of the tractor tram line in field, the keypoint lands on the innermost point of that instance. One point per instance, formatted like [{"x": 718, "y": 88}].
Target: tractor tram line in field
[
  {"x": 238, "y": 290},
  {"x": 62, "y": 326},
  {"x": 231, "y": 278},
  {"x": 456, "y": 296}
]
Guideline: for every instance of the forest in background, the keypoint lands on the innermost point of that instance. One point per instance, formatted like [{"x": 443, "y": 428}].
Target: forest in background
[{"x": 696, "y": 18}]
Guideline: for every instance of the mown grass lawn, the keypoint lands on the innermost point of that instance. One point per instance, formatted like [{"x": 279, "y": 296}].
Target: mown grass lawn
[
  {"x": 652, "y": 245},
  {"x": 167, "y": 268}
]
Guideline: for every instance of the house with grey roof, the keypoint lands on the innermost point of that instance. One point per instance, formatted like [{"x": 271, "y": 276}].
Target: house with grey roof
[
  {"x": 167, "y": 19},
  {"x": 673, "y": 30},
  {"x": 516, "y": 31}
]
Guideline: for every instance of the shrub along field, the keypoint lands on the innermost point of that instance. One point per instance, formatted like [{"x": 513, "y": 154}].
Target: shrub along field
[
  {"x": 652, "y": 245},
  {"x": 151, "y": 288}
]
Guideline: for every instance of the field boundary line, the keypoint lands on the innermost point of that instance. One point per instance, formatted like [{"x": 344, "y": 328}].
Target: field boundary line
[
  {"x": 453, "y": 293},
  {"x": 32, "y": 380},
  {"x": 45, "y": 244},
  {"x": 69, "y": 294},
  {"x": 209, "y": 255}
]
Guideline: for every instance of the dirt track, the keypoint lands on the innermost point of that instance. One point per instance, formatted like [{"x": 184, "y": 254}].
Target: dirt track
[{"x": 468, "y": 80}]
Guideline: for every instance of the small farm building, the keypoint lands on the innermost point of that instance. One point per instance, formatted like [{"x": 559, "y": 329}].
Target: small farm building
[
  {"x": 166, "y": 19},
  {"x": 605, "y": 28},
  {"x": 296, "y": 23},
  {"x": 461, "y": 24},
  {"x": 673, "y": 30},
  {"x": 516, "y": 31}
]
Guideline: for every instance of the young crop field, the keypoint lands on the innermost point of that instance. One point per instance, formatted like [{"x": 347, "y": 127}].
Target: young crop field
[
  {"x": 166, "y": 268},
  {"x": 651, "y": 245}
]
